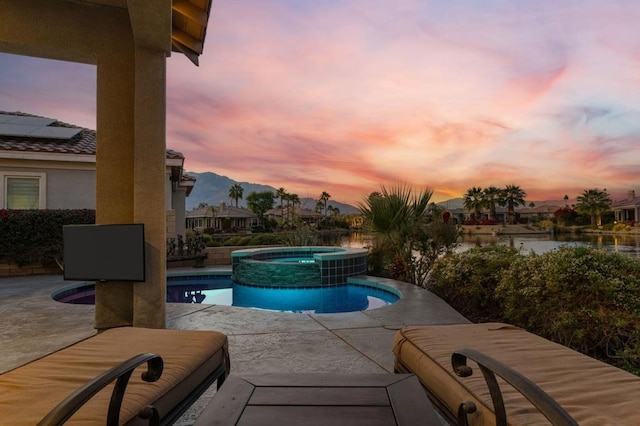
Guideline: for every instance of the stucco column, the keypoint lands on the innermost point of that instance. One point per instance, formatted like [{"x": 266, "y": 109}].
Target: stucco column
[
  {"x": 115, "y": 170},
  {"x": 149, "y": 302},
  {"x": 130, "y": 178}
]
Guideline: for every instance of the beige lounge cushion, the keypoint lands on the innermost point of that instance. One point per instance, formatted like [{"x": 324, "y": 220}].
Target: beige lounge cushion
[
  {"x": 592, "y": 392},
  {"x": 29, "y": 392}
]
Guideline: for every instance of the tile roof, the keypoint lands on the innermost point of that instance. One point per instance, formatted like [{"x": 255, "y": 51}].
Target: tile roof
[
  {"x": 628, "y": 203},
  {"x": 235, "y": 212},
  {"x": 188, "y": 177},
  {"x": 82, "y": 143},
  {"x": 200, "y": 212}
]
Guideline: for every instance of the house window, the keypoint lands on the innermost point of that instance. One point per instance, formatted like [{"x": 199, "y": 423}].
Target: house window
[{"x": 23, "y": 191}]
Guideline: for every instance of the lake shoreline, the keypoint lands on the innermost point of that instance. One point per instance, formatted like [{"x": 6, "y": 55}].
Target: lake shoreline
[
  {"x": 534, "y": 230},
  {"x": 503, "y": 230}
]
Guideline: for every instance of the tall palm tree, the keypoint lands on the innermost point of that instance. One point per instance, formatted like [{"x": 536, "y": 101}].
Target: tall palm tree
[
  {"x": 281, "y": 193},
  {"x": 235, "y": 192},
  {"x": 473, "y": 200},
  {"x": 594, "y": 202},
  {"x": 324, "y": 197},
  {"x": 295, "y": 202},
  {"x": 492, "y": 197},
  {"x": 513, "y": 196}
]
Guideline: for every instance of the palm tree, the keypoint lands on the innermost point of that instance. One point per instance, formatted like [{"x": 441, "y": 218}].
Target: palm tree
[
  {"x": 403, "y": 224},
  {"x": 235, "y": 192},
  {"x": 492, "y": 197},
  {"x": 319, "y": 207},
  {"x": 292, "y": 200},
  {"x": 324, "y": 197},
  {"x": 594, "y": 203},
  {"x": 513, "y": 196},
  {"x": 295, "y": 200},
  {"x": 281, "y": 193},
  {"x": 394, "y": 214},
  {"x": 473, "y": 200}
]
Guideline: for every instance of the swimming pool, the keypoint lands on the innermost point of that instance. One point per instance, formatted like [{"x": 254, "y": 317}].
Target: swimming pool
[{"x": 222, "y": 290}]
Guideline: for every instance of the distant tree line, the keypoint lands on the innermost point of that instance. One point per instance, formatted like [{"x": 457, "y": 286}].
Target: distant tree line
[{"x": 592, "y": 203}]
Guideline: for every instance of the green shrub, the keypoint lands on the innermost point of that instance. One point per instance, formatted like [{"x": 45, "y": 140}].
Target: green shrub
[
  {"x": 581, "y": 297},
  {"x": 265, "y": 240},
  {"x": 254, "y": 240},
  {"x": 35, "y": 236},
  {"x": 467, "y": 280},
  {"x": 546, "y": 224},
  {"x": 620, "y": 227}
]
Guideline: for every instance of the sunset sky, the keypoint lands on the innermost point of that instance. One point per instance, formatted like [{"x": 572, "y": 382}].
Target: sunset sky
[{"x": 344, "y": 96}]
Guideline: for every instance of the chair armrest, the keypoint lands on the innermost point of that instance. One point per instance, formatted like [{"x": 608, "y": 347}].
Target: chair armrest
[
  {"x": 120, "y": 374},
  {"x": 490, "y": 367}
]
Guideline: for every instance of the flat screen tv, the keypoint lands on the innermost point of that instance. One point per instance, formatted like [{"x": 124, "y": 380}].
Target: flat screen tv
[{"x": 104, "y": 252}]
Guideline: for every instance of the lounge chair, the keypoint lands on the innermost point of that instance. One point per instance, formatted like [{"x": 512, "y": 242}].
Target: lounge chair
[
  {"x": 550, "y": 383},
  {"x": 181, "y": 365}
]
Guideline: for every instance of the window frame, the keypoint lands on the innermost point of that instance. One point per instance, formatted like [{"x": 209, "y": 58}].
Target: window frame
[{"x": 41, "y": 177}]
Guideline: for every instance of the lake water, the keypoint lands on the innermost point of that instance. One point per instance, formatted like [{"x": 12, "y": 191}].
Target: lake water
[{"x": 626, "y": 244}]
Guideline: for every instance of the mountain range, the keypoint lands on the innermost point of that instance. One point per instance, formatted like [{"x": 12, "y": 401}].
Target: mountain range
[{"x": 213, "y": 189}]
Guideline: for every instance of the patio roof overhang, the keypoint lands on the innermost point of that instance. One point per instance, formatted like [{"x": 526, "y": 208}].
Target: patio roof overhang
[{"x": 178, "y": 26}]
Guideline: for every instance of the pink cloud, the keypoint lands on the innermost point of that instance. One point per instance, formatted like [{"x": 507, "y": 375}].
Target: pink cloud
[{"x": 346, "y": 96}]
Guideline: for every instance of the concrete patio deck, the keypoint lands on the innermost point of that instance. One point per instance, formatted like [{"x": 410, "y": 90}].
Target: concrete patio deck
[{"x": 259, "y": 341}]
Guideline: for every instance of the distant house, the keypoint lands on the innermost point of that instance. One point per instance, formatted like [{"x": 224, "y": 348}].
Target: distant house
[
  {"x": 285, "y": 214},
  {"x": 48, "y": 164},
  {"x": 201, "y": 218},
  {"x": 627, "y": 210},
  {"x": 221, "y": 218},
  {"x": 461, "y": 215},
  {"x": 538, "y": 213}
]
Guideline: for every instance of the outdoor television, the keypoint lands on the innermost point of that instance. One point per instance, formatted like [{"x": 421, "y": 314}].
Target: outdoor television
[{"x": 104, "y": 252}]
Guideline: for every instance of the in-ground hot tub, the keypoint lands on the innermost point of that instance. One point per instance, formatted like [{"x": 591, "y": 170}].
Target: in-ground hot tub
[{"x": 298, "y": 266}]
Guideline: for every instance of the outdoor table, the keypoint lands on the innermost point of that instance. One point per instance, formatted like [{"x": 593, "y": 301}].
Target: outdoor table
[{"x": 320, "y": 399}]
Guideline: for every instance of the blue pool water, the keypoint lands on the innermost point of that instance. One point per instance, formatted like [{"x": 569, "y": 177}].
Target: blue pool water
[{"x": 221, "y": 290}]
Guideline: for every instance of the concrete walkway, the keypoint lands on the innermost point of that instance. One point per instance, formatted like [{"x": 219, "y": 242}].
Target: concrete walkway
[{"x": 259, "y": 341}]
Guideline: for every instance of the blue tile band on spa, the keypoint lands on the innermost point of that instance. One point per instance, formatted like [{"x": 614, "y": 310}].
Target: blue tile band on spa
[{"x": 298, "y": 266}]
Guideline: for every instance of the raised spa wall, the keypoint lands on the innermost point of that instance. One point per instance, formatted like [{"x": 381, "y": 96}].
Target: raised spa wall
[{"x": 330, "y": 266}]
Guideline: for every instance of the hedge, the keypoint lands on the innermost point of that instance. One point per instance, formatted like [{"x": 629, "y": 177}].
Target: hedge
[
  {"x": 35, "y": 236},
  {"x": 581, "y": 297}
]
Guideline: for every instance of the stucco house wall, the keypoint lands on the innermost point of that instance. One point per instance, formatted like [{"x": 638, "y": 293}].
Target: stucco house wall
[
  {"x": 66, "y": 170},
  {"x": 65, "y": 188}
]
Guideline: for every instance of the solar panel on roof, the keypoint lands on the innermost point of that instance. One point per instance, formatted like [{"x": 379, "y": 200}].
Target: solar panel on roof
[
  {"x": 31, "y": 121},
  {"x": 35, "y": 127},
  {"x": 55, "y": 132},
  {"x": 9, "y": 129}
]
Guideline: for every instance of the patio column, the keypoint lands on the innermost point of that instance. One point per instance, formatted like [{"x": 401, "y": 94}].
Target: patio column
[
  {"x": 115, "y": 93},
  {"x": 130, "y": 177},
  {"x": 149, "y": 301}
]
